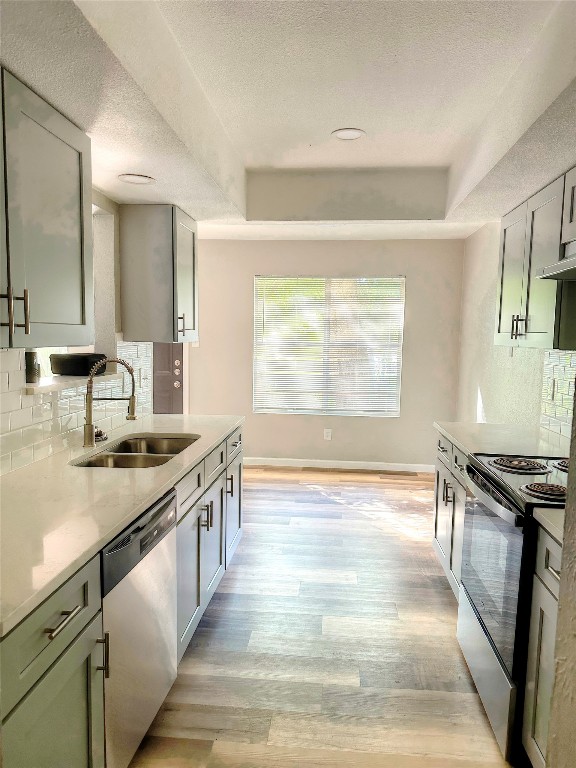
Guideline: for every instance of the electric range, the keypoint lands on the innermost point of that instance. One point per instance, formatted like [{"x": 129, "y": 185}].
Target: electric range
[{"x": 498, "y": 563}]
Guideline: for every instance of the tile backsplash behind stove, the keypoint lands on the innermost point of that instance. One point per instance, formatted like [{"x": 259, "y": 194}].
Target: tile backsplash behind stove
[
  {"x": 558, "y": 392},
  {"x": 35, "y": 426}
]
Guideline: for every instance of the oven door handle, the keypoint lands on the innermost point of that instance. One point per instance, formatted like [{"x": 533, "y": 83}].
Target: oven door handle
[{"x": 513, "y": 518}]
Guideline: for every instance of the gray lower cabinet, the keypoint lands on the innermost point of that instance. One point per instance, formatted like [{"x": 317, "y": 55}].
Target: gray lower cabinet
[
  {"x": 188, "y": 544},
  {"x": 449, "y": 508},
  {"x": 233, "y": 506},
  {"x": 212, "y": 557},
  {"x": 159, "y": 280},
  {"x": 540, "y": 673},
  {"x": 60, "y": 722},
  {"x": 46, "y": 276}
]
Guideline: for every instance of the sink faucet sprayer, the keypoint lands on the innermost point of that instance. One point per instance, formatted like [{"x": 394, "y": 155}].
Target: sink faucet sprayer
[{"x": 89, "y": 429}]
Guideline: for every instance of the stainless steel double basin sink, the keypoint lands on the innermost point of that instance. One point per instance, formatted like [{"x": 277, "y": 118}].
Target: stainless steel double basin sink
[{"x": 140, "y": 452}]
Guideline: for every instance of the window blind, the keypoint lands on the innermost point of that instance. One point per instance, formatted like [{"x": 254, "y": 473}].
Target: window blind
[{"x": 328, "y": 345}]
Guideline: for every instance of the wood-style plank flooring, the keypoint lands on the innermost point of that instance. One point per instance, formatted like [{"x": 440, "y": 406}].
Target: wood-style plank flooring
[{"x": 331, "y": 640}]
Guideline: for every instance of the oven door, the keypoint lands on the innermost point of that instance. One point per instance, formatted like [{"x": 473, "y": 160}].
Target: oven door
[{"x": 491, "y": 563}]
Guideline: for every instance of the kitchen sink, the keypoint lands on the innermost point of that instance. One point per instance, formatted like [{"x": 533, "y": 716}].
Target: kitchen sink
[
  {"x": 153, "y": 445},
  {"x": 125, "y": 460}
]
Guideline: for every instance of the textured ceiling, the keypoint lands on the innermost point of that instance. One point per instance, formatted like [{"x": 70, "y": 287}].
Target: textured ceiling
[{"x": 417, "y": 76}]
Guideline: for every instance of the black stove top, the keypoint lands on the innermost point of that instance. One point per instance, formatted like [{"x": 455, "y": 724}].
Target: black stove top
[{"x": 528, "y": 481}]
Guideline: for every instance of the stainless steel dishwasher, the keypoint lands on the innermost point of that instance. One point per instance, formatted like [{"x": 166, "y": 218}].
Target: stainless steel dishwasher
[{"x": 139, "y": 613}]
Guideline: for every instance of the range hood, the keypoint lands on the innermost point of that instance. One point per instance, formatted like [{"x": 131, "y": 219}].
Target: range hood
[{"x": 565, "y": 269}]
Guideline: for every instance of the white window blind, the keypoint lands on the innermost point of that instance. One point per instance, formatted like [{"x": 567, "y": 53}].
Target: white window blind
[{"x": 328, "y": 345}]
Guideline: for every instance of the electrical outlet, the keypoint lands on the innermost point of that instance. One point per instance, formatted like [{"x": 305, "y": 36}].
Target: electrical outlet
[{"x": 327, "y": 434}]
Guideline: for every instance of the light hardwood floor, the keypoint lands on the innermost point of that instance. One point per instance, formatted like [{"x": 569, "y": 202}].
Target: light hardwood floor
[{"x": 331, "y": 640}]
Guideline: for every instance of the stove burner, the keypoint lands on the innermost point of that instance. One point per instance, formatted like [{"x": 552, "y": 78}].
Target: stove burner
[
  {"x": 562, "y": 464},
  {"x": 519, "y": 465},
  {"x": 546, "y": 491}
]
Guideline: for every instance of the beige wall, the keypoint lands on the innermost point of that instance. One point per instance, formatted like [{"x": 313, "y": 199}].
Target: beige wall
[
  {"x": 497, "y": 384},
  {"x": 221, "y": 367}
]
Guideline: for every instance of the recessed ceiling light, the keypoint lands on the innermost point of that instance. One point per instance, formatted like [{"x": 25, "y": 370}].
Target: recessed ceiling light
[
  {"x": 348, "y": 134},
  {"x": 136, "y": 178}
]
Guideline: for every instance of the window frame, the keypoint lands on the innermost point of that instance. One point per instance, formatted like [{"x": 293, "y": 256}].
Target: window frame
[{"x": 326, "y": 389}]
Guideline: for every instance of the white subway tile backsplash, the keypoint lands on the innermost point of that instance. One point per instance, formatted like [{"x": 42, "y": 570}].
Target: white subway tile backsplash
[
  {"x": 10, "y": 401},
  {"x": 16, "y": 380},
  {"x": 21, "y": 418},
  {"x": 558, "y": 392},
  {"x": 33, "y": 427}
]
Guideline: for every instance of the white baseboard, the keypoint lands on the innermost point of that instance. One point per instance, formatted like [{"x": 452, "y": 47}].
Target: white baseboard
[{"x": 372, "y": 466}]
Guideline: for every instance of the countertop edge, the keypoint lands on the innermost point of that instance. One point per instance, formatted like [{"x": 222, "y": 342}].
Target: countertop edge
[
  {"x": 552, "y": 521},
  {"x": 9, "y": 622}
]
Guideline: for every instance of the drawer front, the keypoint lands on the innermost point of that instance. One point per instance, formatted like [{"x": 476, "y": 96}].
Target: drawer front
[
  {"x": 33, "y": 646},
  {"x": 214, "y": 463},
  {"x": 548, "y": 561},
  {"x": 459, "y": 461},
  {"x": 233, "y": 445},
  {"x": 190, "y": 489},
  {"x": 444, "y": 450}
]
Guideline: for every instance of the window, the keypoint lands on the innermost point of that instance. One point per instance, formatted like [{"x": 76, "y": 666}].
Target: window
[{"x": 328, "y": 345}]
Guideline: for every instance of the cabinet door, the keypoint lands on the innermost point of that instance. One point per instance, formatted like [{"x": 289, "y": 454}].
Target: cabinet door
[
  {"x": 233, "y": 507},
  {"x": 569, "y": 214},
  {"x": 212, "y": 541},
  {"x": 459, "y": 506},
  {"x": 537, "y": 320},
  {"x": 509, "y": 302},
  {"x": 540, "y": 673},
  {"x": 49, "y": 221},
  {"x": 188, "y": 570},
  {"x": 61, "y": 721},
  {"x": 444, "y": 506},
  {"x": 186, "y": 278},
  {"x": 4, "y": 336}
]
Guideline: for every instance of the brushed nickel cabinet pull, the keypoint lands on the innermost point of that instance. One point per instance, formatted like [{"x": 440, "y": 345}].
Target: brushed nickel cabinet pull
[
  {"x": 105, "y": 641},
  {"x": 231, "y": 481},
  {"x": 69, "y": 617},
  {"x": 183, "y": 318},
  {"x": 9, "y": 296},
  {"x": 236, "y": 444},
  {"x": 211, "y": 514},
  {"x": 554, "y": 572},
  {"x": 444, "y": 490},
  {"x": 26, "y": 300},
  {"x": 206, "y": 523},
  {"x": 448, "y": 499},
  {"x": 519, "y": 320},
  {"x": 513, "y": 328}
]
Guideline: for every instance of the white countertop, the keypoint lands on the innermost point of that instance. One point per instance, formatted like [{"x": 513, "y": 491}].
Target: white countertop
[
  {"x": 508, "y": 439},
  {"x": 54, "y": 516},
  {"x": 505, "y": 439}
]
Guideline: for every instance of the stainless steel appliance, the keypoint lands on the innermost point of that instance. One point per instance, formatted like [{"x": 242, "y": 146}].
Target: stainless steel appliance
[
  {"x": 139, "y": 613},
  {"x": 497, "y": 569}
]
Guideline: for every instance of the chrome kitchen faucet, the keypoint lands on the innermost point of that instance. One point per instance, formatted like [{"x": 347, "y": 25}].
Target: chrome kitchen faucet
[{"x": 89, "y": 429}]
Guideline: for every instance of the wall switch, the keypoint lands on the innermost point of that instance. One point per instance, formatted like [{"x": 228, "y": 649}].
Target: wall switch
[{"x": 327, "y": 434}]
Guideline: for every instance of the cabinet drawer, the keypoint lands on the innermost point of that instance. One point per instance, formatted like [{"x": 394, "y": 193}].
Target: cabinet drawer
[
  {"x": 444, "y": 450},
  {"x": 33, "y": 646},
  {"x": 214, "y": 463},
  {"x": 190, "y": 489},
  {"x": 548, "y": 560},
  {"x": 459, "y": 461},
  {"x": 233, "y": 445}
]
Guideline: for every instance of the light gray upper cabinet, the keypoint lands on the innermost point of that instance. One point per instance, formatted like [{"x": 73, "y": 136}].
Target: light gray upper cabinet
[
  {"x": 47, "y": 245},
  {"x": 509, "y": 303},
  {"x": 159, "y": 282},
  {"x": 569, "y": 213},
  {"x": 532, "y": 312}
]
